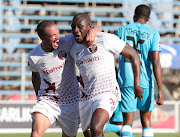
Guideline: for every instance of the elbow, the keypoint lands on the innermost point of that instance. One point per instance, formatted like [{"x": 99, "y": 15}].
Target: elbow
[{"x": 135, "y": 57}]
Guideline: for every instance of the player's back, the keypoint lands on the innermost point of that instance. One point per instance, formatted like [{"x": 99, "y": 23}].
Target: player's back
[{"x": 144, "y": 40}]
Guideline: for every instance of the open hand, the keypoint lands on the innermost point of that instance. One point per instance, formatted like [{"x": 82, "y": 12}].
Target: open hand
[{"x": 138, "y": 92}]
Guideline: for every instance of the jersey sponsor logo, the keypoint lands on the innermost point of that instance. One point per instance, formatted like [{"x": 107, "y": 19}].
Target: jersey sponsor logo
[
  {"x": 93, "y": 48},
  {"x": 84, "y": 61},
  {"x": 62, "y": 55},
  {"x": 47, "y": 71}
]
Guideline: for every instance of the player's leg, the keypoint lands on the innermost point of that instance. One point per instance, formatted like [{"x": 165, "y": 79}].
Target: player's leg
[
  {"x": 68, "y": 119},
  {"x": 115, "y": 122},
  {"x": 146, "y": 124},
  {"x": 128, "y": 105},
  {"x": 95, "y": 112},
  {"x": 87, "y": 133},
  {"x": 99, "y": 119},
  {"x": 43, "y": 115},
  {"x": 126, "y": 129},
  {"x": 146, "y": 105},
  {"x": 39, "y": 125}
]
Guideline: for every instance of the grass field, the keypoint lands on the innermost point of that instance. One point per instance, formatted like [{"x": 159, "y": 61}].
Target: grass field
[{"x": 81, "y": 135}]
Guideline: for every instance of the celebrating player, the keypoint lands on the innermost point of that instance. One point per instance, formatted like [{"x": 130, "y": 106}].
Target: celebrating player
[
  {"x": 100, "y": 93},
  {"x": 55, "y": 83}
]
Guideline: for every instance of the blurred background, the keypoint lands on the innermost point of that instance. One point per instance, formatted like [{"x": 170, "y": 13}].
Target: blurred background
[{"x": 18, "y": 21}]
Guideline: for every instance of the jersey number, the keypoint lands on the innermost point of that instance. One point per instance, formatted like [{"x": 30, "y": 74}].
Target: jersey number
[{"x": 135, "y": 46}]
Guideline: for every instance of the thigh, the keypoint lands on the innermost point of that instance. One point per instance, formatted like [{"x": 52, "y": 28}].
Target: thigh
[
  {"x": 99, "y": 118},
  {"x": 128, "y": 102},
  {"x": 147, "y": 103},
  {"x": 106, "y": 101},
  {"x": 40, "y": 123},
  {"x": 46, "y": 108}
]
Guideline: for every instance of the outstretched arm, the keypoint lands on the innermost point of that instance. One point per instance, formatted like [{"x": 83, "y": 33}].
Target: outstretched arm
[
  {"x": 130, "y": 53},
  {"x": 36, "y": 81},
  {"x": 158, "y": 77},
  {"x": 90, "y": 38}
]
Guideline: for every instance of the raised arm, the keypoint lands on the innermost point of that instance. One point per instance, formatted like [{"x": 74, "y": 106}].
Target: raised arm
[
  {"x": 158, "y": 76},
  {"x": 90, "y": 38},
  {"x": 130, "y": 53},
  {"x": 36, "y": 81}
]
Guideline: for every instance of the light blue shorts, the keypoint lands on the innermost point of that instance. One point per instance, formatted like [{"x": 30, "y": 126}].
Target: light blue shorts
[
  {"x": 130, "y": 104},
  {"x": 117, "y": 115}
]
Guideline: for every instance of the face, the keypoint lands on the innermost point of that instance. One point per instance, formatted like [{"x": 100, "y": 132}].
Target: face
[
  {"x": 80, "y": 27},
  {"x": 51, "y": 38}
]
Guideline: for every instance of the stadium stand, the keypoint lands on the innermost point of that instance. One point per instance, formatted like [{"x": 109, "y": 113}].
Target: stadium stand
[{"x": 19, "y": 18}]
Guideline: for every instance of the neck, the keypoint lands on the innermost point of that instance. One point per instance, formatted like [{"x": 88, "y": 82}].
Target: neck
[
  {"x": 141, "y": 21},
  {"x": 46, "y": 49}
]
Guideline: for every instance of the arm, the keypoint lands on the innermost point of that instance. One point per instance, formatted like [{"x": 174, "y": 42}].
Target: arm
[
  {"x": 36, "y": 81},
  {"x": 158, "y": 77},
  {"x": 130, "y": 53},
  {"x": 90, "y": 38}
]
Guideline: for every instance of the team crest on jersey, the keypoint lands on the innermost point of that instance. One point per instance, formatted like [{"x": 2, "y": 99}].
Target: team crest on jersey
[
  {"x": 93, "y": 48},
  {"x": 62, "y": 55}
]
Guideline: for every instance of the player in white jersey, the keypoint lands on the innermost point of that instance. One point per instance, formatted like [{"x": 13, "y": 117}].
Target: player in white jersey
[
  {"x": 55, "y": 82},
  {"x": 100, "y": 93}
]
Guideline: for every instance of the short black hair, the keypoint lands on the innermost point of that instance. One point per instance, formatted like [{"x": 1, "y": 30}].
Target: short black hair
[
  {"x": 42, "y": 25},
  {"x": 142, "y": 11},
  {"x": 84, "y": 16}
]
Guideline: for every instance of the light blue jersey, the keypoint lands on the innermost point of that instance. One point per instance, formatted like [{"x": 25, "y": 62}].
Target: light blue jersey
[{"x": 144, "y": 40}]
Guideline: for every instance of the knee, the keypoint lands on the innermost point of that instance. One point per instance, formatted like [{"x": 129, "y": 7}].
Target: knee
[
  {"x": 96, "y": 129},
  {"x": 146, "y": 123},
  {"x": 35, "y": 133}
]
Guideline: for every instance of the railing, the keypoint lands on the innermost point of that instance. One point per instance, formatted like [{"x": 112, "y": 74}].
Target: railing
[{"x": 15, "y": 74}]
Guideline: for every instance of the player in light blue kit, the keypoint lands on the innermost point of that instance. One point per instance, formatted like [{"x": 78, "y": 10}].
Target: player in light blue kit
[{"x": 146, "y": 42}]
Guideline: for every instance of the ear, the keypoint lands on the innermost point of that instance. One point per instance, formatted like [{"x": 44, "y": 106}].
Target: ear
[{"x": 148, "y": 19}]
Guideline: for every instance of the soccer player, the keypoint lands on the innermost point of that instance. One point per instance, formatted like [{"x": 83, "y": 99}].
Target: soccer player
[
  {"x": 55, "y": 83},
  {"x": 100, "y": 94},
  {"x": 146, "y": 42}
]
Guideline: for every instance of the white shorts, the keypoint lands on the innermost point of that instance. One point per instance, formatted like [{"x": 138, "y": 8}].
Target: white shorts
[
  {"x": 66, "y": 116},
  {"x": 108, "y": 101}
]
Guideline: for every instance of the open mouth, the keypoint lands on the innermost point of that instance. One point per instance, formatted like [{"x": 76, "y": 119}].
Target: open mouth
[
  {"x": 77, "y": 36},
  {"x": 57, "y": 42}
]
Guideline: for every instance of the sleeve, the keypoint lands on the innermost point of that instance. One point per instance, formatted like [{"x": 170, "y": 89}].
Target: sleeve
[
  {"x": 156, "y": 42},
  {"x": 119, "y": 32},
  {"x": 31, "y": 65},
  {"x": 113, "y": 43}
]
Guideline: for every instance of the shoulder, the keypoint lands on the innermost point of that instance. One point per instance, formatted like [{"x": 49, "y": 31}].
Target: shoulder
[
  {"x": 68, "y": 38},
  {"x": 103, "y": 35},
  {"x": 35, "y": 51},
  {"x": 151, "y": 30},
  {"x": 66, "y": 42}
]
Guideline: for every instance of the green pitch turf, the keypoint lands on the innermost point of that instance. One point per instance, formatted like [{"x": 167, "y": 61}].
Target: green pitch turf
[{"x": 81, "y": 135}]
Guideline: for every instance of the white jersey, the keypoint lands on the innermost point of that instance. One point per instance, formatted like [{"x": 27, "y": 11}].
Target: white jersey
[
  {"x": 57, "y": 71},
  {"x": 96, "y": 64}
]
